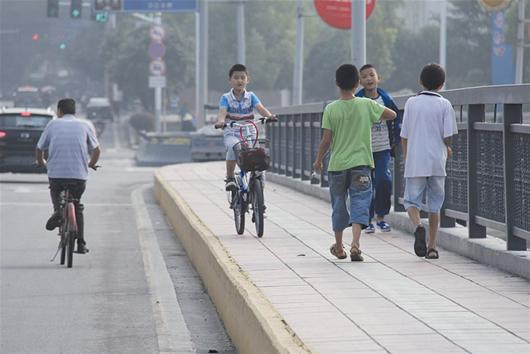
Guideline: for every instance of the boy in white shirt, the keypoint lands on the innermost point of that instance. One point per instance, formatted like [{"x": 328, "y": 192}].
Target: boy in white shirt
[{"x": 428, "y": 124}]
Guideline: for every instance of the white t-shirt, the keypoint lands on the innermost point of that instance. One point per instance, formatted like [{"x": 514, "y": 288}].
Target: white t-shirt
[
  {"x": 427, "y": 120},
  {"x": 380, "y": 140}
]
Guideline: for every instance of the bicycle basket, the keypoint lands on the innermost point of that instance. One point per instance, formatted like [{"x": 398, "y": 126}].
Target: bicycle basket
[{"x": 253, "y": 159}]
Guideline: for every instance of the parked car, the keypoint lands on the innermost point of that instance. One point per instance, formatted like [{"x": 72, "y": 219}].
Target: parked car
[
  {"x": 207, "y": 144},
  {"x": 20, "y": 130}
]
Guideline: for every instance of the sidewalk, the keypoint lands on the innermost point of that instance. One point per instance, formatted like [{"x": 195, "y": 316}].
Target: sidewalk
[{"x": 392, "y": 302}]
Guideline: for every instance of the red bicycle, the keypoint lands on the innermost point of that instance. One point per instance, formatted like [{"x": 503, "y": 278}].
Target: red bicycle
[{"x": 68, "y": 229}]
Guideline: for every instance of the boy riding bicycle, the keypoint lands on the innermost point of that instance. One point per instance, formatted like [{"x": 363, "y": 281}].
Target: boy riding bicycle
[{"x": 237, "y": 105}]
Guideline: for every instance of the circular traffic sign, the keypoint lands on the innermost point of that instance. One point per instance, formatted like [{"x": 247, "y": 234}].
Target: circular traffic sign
[
  {"x": 156, "y": 50},
  {"x": 337, "y": 13},
  {"x": 157, "y": 33},
  {"x": 157, "y": 67}
]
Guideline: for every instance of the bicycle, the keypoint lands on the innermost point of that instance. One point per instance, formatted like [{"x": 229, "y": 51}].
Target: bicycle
[
  {"x": 68, "y": 228},
  {"x": 252, "y": 160}
]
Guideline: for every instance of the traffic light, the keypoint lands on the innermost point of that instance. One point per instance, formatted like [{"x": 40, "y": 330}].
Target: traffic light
[
  {"x": 52, "y": 8},
  {"x": 76, "y": 6},
  {"x": 102, "y": 16},
  {"x": 110, "y": 5},
  {"x": 62, "y": 45}
]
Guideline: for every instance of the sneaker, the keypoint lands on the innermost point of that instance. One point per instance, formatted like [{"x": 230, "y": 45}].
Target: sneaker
[
  {"x": 230, "y": 184},
  {"x": 383, "y": 226},
  {"x": 53, "y": 222},
  {"x": 420, "y": 247},
  {"x": 370, "y": 229},
  {"x": 81, "y": 249}
]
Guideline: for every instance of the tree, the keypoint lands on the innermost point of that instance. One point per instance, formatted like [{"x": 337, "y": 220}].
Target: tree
[{"x": 332, "y": 48}]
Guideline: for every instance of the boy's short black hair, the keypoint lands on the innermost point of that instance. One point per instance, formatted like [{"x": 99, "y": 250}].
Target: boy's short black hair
[
  {"x": 366, "y": 66},
  {"x": 432, "y": 76},
  {"x": 66, "y": 106},
  {"x": 237, "y": 67},
  {"x": 347, "y": 77}
]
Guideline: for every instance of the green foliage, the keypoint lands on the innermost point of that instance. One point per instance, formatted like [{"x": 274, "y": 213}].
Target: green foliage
[
  {"x": 125, "y": 54},
  {"x": 469, "y": 45},
  {"x": 411, "y": 52},
  {"x": 331, "y": 47}
]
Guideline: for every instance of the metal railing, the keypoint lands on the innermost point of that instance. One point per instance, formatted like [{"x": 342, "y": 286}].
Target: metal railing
[{"x": 488, "y": 178}]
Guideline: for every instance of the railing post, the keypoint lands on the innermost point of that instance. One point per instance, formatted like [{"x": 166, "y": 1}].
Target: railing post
[
  {"x": 397, "y": 179},
  {"x": 296, "y": 145},
  {"x": 476, "y": 113},
  {"x": 513, "y": 114},
  {"x": 314, "y": 138},
  {"x": 304, "y": 149}
]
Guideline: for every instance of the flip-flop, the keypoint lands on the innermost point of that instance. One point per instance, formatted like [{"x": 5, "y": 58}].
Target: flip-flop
[
  {"x": 420, "y": 247},
  {"x": 334, "y": 252},
  {"x": 355, "y": 255},
  {"x": 432, "y": 254}
]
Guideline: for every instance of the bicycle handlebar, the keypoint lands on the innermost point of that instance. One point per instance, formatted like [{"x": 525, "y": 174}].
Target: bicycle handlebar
[{"x": 261, "y": 120}]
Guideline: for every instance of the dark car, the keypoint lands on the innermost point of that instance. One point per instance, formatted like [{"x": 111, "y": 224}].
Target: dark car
[{"x": 20, "y": 130}]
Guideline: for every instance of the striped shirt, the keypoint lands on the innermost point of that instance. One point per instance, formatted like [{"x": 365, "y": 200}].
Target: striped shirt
[
  {"x": 380, "y": 139},
  {"x": 68, "y": 141},
  {"x": 239, "y": 109}
]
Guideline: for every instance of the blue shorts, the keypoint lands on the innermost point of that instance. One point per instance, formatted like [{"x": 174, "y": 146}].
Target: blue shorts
[
  {"x": 434, "y": 188},
  {"x": 357, "y": 184}
]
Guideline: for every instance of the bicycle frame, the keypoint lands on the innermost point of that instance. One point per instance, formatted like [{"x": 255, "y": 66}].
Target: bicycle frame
[{"x": 68, "y": 228}]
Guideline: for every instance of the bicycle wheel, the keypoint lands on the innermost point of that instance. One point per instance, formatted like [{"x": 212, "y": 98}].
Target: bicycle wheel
[
  {"x": 257, "y": 206},
  {"x": 63, "y": 244},
  {"x": 71, "y": 232},
  {"x": 238, "y": 205}
]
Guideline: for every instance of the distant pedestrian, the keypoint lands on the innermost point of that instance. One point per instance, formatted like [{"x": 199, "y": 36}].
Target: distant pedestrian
[
  {"x": 385, "y": 138},
  {"x": 347, "y": 124},
  {"x": 428, "y": 124}
]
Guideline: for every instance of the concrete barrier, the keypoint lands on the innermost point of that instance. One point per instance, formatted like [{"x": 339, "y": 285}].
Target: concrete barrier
[
  {"x": 253, "y": 324},
  {"x": 159, "y": 149}
]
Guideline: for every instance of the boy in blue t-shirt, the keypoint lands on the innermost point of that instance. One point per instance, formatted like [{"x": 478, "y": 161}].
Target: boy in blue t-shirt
[{"x": 236, "y": 105}]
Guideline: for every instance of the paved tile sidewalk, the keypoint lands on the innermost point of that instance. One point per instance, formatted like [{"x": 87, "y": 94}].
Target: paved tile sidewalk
[{"x": 392, "y": 302}]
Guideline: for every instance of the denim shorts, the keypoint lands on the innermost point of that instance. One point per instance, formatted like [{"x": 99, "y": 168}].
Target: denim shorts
[
  {"x": 357, "y": 184},
  {"x": 434, "y": 188}
]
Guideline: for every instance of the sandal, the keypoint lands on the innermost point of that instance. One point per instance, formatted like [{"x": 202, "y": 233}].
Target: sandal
[
  {"x": 355, "y": 255},
  {"x": 333, "y": 250},
  {"x": 432, "y": 254}
]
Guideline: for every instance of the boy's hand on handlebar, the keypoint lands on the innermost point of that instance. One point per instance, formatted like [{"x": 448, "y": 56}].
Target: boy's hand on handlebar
[
  {"x": 94, "y": 166},
  {"x": 272, "y": 118},
  {"x": 220, "y": 125}
]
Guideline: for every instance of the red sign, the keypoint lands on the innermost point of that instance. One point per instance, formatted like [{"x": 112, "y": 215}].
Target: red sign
[{"x": 337, "y": 13}]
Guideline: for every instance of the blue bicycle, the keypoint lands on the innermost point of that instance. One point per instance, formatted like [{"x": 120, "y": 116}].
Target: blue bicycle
[{"x": 252, "y": 161}]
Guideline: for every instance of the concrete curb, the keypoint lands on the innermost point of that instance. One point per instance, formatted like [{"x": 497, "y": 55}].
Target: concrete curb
[
  {"x": 249, "y": 318},
  {"x": 490, "y": 251}
]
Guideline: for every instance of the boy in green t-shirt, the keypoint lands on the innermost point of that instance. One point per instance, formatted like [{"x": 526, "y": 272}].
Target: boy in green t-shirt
[{"x": 347, "y": 125}]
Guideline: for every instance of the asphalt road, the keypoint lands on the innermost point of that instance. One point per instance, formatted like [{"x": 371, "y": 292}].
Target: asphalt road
[{"x": 135, "y": 292}]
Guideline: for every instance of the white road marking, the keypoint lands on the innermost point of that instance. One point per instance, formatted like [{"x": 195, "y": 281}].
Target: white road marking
[{"x": 172, "y": 333}]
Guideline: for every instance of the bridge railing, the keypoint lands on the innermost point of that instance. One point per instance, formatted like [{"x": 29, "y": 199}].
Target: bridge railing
[{"x": 488, "y": 178}]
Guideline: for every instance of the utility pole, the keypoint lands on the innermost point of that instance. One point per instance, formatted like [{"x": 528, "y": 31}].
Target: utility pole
[
  {"x": 201, "y": 70},
  {"x": 358, "y": 32},
  {"x": 443, "y": 35},
  {"x": 519, "y": 58},
  {"x": 158, "y": 89},
  {"x": 298, "y": 77},
  {"x": 241, "y": 48}
]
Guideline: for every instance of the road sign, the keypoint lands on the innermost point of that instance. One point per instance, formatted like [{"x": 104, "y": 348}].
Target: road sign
[
  {"x": 156, "y": 50},
  {"x": 157, "y": 33},
  {"x": 337, "y": 13},
  {"x": 157, "y": 67},
  {"x": 157, "y": 81},
  {"x": 160, "y": 5}
]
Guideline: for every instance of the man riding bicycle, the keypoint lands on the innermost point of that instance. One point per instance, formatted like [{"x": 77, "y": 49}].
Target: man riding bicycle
[{"x": 68, "y": 141}]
